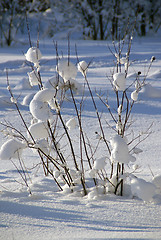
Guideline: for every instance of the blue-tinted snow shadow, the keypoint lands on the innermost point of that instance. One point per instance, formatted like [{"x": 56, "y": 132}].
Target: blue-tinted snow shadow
[
  {"x": 145, "y": 106},
  {"x": 72, "y": 218}
]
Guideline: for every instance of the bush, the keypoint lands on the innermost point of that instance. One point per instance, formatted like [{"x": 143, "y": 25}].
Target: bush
[{"x": 74, "y": 161}]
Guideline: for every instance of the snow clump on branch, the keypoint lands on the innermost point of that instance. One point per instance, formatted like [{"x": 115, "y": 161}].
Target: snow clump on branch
[
  {"x": 119, "y": 81},
  {"x": 39, "y": 106},
  {"x": 33, "y": 55},
  {"x": 120, "y": 152},
  {"x": 82, "y": 67},
  {"x": 67, "y": 70},
  {"x": 12, "y": 149}
]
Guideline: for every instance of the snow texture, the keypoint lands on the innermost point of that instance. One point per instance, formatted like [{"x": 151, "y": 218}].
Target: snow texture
[{"x": 134, "y": 95}]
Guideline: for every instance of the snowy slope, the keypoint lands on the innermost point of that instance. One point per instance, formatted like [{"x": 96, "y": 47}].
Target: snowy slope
[{"x": 49, "y": 214}]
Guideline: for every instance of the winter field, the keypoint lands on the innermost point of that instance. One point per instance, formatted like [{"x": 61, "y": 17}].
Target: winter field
[{"x": 49, "y": 213}]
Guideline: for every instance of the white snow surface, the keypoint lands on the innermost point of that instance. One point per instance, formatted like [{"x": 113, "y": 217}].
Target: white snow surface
[{"x": 50, "y": 214}]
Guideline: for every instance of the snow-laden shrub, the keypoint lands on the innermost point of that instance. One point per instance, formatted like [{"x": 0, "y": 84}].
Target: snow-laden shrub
[{"x": 74, "y": 161}]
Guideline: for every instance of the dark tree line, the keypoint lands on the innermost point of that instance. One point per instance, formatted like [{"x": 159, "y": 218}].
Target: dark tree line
[{"x": 97, "y": 19}]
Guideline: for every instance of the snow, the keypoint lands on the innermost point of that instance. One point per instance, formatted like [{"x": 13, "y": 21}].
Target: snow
[
  {"x": 82, "y": 67},
  {"x": 11, "y": 149},
  {"x": 39, "y": 130},
  {"x": 119, "y": 81},
  {"x": 71, "y": 123},
  {"x": 33, "y": 78},
  {"x": 33, "y": 55},
  {"x": 134, "y": 95},
  {"x": 142, "y": 189},
  {"x": 40, "y": 110},
  {"x": 99, "y": 163},
  {"x": 149, "y": 91},
  {"x": 66, "y": 69},
  {"x": 120, "y": 152},
  {"x": 49, "y": 213}
]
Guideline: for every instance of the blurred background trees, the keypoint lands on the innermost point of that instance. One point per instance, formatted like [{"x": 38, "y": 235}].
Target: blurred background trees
[{"x": 88, "y": 19}]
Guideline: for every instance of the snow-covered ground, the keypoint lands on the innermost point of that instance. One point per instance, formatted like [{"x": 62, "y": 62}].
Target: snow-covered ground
[{"x": 50, "y": 214}]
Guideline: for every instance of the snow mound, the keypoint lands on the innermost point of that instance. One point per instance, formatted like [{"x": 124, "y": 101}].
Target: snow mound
[
  {"x": 66, "y": 70},
  {"x": 39, "y": 130},
  {"x": 75, "y": 86},
  {"x": 39, "y": 105},
  {"x": 149, "y": 91},
  {"x": 23, "y": 85},
  {"x": 120, "y": 152},
  {"x": 11, "y": 149},
  {"x": 157, "y": 182},
  {"x": 43, "y": 145},
  {"x": 119, "y": 81},
  {"x": 142, "y": 189}
]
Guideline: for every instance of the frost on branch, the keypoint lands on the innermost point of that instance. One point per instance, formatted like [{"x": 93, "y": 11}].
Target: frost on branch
[
  {"x": 120, "y": 152},
  {"x": 11, "y": 149}
]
